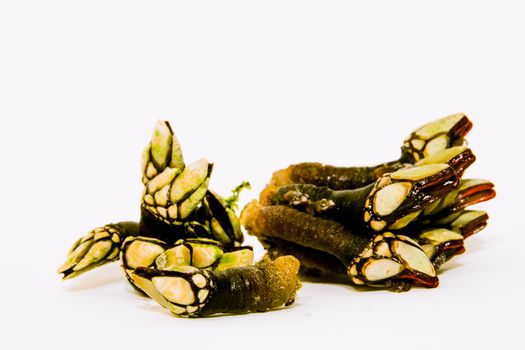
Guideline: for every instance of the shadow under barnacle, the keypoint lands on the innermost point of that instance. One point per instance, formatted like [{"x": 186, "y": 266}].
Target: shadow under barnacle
[
  {"x": 329, "y": 278},
  {"x": 450, "y": 265},
  {"x": 340, "y": 280},
  {"x": 105, "y": 275},
  {"x": 343, "y": 281},
  {"x": 153, "y": 307},
  {"x": 135, "y": 292},
  {"x": 475, "y": 245},
  {"x": 251, "y": 313}
]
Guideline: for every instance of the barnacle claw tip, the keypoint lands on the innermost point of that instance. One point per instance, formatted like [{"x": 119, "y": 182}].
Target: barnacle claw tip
[
  {"x": 440, "y": 245},
  {"x": 190, "y": 292},
  {"x": 436, "y": 136},
  {"x": 469, "y": 222},
  {"x": 399, "y": 197},
  {"x": 393, "y": 261},
  {"x": 163, "y": 151},
  {"x": 98, "y": 247},
  {"x": 458, "y": 157}
]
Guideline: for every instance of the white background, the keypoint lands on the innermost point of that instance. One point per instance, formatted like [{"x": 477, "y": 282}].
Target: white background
[{"x": 251, "y": 86}]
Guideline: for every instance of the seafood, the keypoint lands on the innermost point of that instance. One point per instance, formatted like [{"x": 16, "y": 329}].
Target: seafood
[
  {"x": 188, "y": 291},
  {"x": 186, "y": 253},
  {"x": 100, "y": 246},
  {"x": 392, "y": 225},
  {"x": 427, "y": 140},
  {"x": 395, "y": 200},
  {"x": 396, "y": 261},
  {"x": 384, "y": 259},
  {"x": 383, "y": 225},
  {"x": 145, "y": 252},
  {"x": 469, "y": 192}
]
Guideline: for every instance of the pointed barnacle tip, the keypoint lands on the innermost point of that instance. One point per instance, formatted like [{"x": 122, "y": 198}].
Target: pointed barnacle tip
[
  {"x": 163, "y": 124},
  {"x": 168, "y": 125},
  {"x": 66, "y": 268},
  {"x": 65, "y": 274},
  {"x": 61, "y": 271}
]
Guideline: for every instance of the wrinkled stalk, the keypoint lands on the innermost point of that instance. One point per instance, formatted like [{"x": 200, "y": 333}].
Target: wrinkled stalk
[
  {"x": 191, "y": 292},
  {"x": 313, "y": 262},
  {"x": 430, "y": 139},
  {"x": 440, "y": 242},
  {"x": 384, "y": 259},
  {"x": 395, "y": 200}
]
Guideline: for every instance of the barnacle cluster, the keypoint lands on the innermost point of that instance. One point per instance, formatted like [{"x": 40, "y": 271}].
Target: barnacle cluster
[
  {"x": 391, "y": 225},
  {"x": 186, "y": 251}
]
